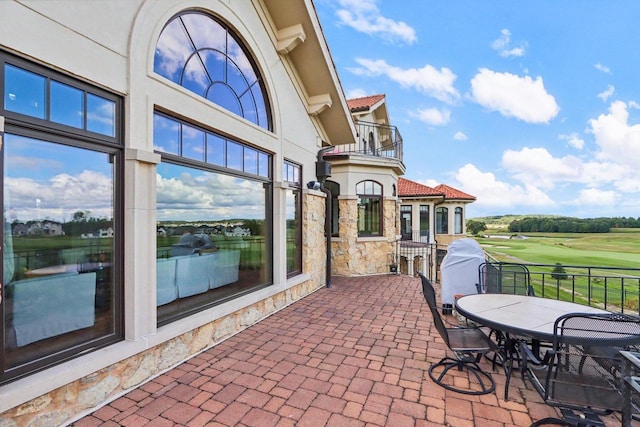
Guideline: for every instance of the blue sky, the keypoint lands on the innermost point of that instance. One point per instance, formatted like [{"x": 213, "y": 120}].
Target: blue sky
[{"x": 532, "y": 107}]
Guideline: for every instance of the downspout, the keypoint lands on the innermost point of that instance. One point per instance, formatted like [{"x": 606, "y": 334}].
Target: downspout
[{"x": 323, "y": 170}]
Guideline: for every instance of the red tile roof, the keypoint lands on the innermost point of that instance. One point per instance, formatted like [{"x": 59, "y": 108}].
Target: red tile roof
[
  {"x": 359, "y": 104},
  {"x": 452, "y": 193},
  {"x": 408, "y": 188}
]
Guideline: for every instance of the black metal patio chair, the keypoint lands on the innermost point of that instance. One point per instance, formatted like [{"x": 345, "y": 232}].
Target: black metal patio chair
[
  {"x": 581, "y": 373},
  {"x": 506, "y": 278},
  {"x": 468, "y": 346}
]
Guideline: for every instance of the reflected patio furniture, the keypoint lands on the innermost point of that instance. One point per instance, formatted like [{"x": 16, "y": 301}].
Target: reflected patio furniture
[{"x": 468, "y": 346}]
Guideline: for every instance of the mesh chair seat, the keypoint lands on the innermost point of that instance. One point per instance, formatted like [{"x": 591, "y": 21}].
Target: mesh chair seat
[{"x": 469, "y": 340}]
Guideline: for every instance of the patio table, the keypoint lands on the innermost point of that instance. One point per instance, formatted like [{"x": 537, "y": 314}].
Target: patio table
[{"x": 518, "y": 315}]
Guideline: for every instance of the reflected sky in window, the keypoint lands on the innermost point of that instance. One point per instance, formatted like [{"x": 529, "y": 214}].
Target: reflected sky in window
[
  {"x": 202, "y": 55},
  {"x": 44, "y": 180},
  {"x": 33, "y": 95},
  {"x": 182, "y": 139},
  {"x": 189, "y": 194}
]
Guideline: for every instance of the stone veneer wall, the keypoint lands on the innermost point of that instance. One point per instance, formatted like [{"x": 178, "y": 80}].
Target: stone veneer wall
[
  {"x": 81, "y": 396},
  {"x": 353, "y": 256},
  {"x": 313, "y": 238}
]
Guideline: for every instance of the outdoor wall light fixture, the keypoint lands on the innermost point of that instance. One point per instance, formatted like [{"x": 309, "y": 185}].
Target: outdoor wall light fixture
[{"x": 314, "y": 185}]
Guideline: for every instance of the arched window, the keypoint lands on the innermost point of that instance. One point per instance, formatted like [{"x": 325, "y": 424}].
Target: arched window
[
  {"x": 334, "y": 187},
  {"x": 369, "y": 208},
  {"x": 458, "y": 221},
  {"x": 442, "y": 220},
  {"x": 203, "y": 55}
]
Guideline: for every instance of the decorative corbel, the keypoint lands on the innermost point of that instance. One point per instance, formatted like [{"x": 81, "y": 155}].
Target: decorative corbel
[
  {"x": 319, "y": 103},
  {"x": 288, "y": 38}
]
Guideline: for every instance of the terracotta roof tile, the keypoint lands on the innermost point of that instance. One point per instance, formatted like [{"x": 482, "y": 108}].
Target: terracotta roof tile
[
  {"x": 365, "y": 102},
  {"x": 408, "y": 188},
  {"x": 453, "y": 193}
]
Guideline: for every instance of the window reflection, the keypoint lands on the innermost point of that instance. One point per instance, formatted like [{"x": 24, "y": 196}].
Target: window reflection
[
  {"x": 59, "y": 210},
  {"x": 203, "y": 55},
  {"x": 101, "y": 115},
  {"x": 33, "y": 95},
  {"x": 369, "y": 208},
  {"x": 293, "y": 201},
  {"x": 24, "y": 92},
  {"x": 67, "y": 105},
  {"x": 211, "y": 239}
]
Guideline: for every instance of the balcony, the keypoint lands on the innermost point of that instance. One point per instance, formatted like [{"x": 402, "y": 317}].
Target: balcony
[{"x": 374, "y": 140}]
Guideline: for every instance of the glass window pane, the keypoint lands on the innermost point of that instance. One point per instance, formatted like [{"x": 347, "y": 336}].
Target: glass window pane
[
  {"x": 24, "y": 92},
  {"x": 192, "y": 143},
  {"x": 261, "y": 106},
  {"x": 166, "y": 134},
  {"x": 101, "y": 115},
  {"x": 224, "y": 96},
  {"x": 195, "y": 76},
  {"x": 60, "y": 286},
  {"x": 211, "y": 240},
  {"x": 234, "y": 155},
  {"x": 216, "y": 152},
  {"x": 294, "y": 232},
  {"x": 67, "y": 105},
  {"x": 263, "y": 164},
  {"x": 172, "y": 51},
  {"x": 202, "y": 55},
  {"x": 250, "y": 160}
]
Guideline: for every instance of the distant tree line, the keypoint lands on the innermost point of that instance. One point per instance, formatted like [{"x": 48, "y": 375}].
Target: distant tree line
[{"x": 571, "y": 225}]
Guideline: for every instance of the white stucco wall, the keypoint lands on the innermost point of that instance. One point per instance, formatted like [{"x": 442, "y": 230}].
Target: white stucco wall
[{"x": 110, "y": 43}]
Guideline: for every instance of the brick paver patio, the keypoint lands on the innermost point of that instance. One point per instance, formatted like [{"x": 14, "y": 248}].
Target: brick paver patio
[{"x": 355, "y": 354}]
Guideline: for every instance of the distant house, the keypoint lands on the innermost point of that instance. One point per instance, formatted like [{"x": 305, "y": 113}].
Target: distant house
[
  {"x": 44, "y": 228},
  {"x": 434, "y": 215}
]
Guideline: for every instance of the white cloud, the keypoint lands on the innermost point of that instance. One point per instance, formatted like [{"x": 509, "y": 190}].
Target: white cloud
[
  {"x": 356, "y": 93},
  {"x": 619, "y": 144},
  {"x": 521, "y": 97},
  {"x": 503, "y": 45},
  {"x": 593, "y": 196},
  {"x": 433, "y": 116},
  {"x": 364, "y": 16},
  {"x": 428, "y": 79},
  {"x": 460, "y": 136},
  {"x": 602, "y": 68},
  {"x": 496, "y": 195},
  {"x": 536, "y": 166},
  {"x": 605, "y": 95},
  {"x": 573, "y": 140}
]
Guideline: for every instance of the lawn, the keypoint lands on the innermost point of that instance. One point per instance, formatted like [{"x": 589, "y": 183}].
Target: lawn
[{"x": 619, "y": 249}]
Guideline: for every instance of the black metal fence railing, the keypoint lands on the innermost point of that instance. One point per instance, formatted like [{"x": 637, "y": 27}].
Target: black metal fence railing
[{"x": 615, "y": 289}]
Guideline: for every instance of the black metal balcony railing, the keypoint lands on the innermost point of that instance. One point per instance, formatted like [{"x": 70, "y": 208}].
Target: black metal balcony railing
[
  {"x": 374, "y": 140},
  {"x": 615, "y": 289}
]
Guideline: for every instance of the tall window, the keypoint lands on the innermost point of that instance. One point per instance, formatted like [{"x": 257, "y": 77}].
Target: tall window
[
  {"x": 458, "y": 221},
  {"x": 334, "y": 187},
  {"x": 442, "y": 220},
  {"x": 405, "y": 222},
  {"x": 203, "y": 55},
  {"x": 424, "y": 223},
  {"x": 293, "y": 176},
  {"x": 369, "y": 208},
  {"x": 214, "y": 226},
  {"x": 62, "y": 218}
]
